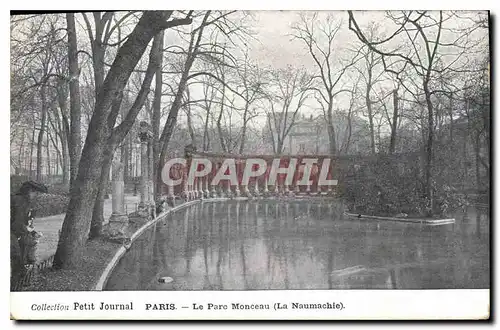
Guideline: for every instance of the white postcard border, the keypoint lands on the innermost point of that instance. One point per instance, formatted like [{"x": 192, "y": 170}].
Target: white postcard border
[{"x": 195, "y": 305}]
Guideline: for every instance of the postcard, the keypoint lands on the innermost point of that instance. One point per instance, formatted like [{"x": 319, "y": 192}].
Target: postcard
[{"x": 251, "y": 165}]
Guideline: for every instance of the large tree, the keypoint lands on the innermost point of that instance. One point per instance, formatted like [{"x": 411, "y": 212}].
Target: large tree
[
  {"x": 319, "y": 36},
  {"x": 75, "y": 139},
  {"x": 429, "y": 48},
  {"x": 77, "y": 221},
  {"x": 289, "y": 89},
  {"x": 197, "y": 47}
]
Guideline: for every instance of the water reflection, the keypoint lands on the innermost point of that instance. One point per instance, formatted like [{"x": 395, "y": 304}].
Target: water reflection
[{"x": 302, "y": 245}]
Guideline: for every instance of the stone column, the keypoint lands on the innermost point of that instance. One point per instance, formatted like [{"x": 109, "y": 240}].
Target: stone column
[
  {"x": 118, "y": 192},
  {"x": 145, "y": 135},
  {"x": 213, "y": 191},
  {"x": 266, "y": 190},
  {"x": 206, "y": 193},
  {"x": 118, "y": 222},
  {"x": 256, "y": 191}
]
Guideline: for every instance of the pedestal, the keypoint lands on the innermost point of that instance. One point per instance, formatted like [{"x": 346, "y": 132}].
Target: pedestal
[{"x": 117, "y": 227}]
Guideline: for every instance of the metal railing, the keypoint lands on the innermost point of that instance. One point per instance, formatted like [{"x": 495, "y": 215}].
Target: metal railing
[{"x": 29, "y": 273}]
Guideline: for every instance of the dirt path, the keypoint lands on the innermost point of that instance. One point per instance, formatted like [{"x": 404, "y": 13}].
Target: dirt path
[{"x": 50, "y": 226}]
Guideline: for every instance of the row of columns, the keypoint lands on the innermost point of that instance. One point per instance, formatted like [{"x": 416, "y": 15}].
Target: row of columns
[
  {"x": 259, "y": 186},
  {"x": 201, "y": 187}
]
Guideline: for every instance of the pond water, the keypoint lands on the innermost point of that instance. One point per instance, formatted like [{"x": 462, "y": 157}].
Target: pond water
[{"x": 247, "y": 245}]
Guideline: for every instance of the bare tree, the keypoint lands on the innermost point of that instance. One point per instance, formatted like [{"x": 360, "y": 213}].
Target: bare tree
[
  {"x": 196, "y": 49},
  {"x": 250, "y": 79},
  {"x": 425, "y": 54},
  {"x": 290, "y": 88},
  {"x": 351, "y": 110},
  {"x": 118, "y": 134},
  {"x": 155, "y": 122},
  {"x": 100, "y": 37},
  {"x": 75, "y": 140},
  {"x": 371, "y": 72},
  {"x": 319, "y": 38},
  {"x": 76, "y": 223}
]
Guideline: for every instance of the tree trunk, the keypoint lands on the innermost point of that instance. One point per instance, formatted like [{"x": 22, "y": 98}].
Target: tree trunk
[
  {"x": 98, "y": 51},
  {"x": 332, "y": 140},
  {"x": 244, "y": 129},
  {"x": 331, "y": 130},
  {"x": 169, "y": 128},
  {"x": 477, "y": 162},
  {"x": 392, "y": 145},
  {"x": 63, "y": 131},
  {"x": 32, "y": 144},
  {"x": 349, "y": 132},
  {"x": 157, "y": 162},
  {"x": 221, "y": 113},
  {"x": 75, "y": 139},
  {"x": 124, "y": 157},
  {"x": 124, "y": 146},
  {"x": 118, "y": 134},
  {"x": 76, "y": 225},
  {"x": 58, "y": 163},
  {"x": 428, "y": 151},
  {"x": 486, "y": 119},
  {"x": 65, "y": 161},
  {"x": 280, "y": 146},
  {"x": 370, "y": 119},
  {"x": 98, "y": 212},
  {"x": 48, "y": 157},
  {"x": 20, "y": 157},
  {"x": 206, "y": 137},
  {"x": 189, "y": 119},
  {"x": 176, "y": 105},
  {"x": 54, "y": 141},
  {"x": 450, "y": 112},
  {"x": 39, "y": 148}
]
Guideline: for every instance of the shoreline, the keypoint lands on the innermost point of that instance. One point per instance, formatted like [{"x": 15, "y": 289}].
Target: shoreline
[{"x": 425, "y": 221}]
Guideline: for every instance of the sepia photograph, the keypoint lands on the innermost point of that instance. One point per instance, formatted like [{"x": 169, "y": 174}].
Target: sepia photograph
[{"x": 258, "y": 161}]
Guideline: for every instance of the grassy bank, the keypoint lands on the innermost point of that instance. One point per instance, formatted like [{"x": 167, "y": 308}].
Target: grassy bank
[{"x": 96, "y": 255}]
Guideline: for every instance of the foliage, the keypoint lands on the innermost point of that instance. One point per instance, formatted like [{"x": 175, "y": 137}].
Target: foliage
[
  {"x": 16, "y": 181},
  {"x": 383, "y": 186},
  {"x": 45, "y": 205},
  {"x": 84, "y": 277},
  {"x": 58, "y": 189},
  {"x": 387, "y": 186}
]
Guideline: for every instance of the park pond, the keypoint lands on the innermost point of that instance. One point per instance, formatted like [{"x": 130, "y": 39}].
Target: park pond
[{"x": 265, "y": 245}]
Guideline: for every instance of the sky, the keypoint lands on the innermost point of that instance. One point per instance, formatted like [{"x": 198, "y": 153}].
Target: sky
[{"x": 274, "y": 47}]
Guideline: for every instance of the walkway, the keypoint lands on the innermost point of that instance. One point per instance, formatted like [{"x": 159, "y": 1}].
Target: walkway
[{"x": 50, "y": 226}]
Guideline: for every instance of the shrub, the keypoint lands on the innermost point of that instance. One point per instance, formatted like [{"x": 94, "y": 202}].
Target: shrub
[
  {"x": 46, "y": 205},
  {"x": 16, "y": 181},
  {"x": 58, "y": 189},
  {"x": 384, "y": 185},
  {"x": 388, "y": 185}
]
